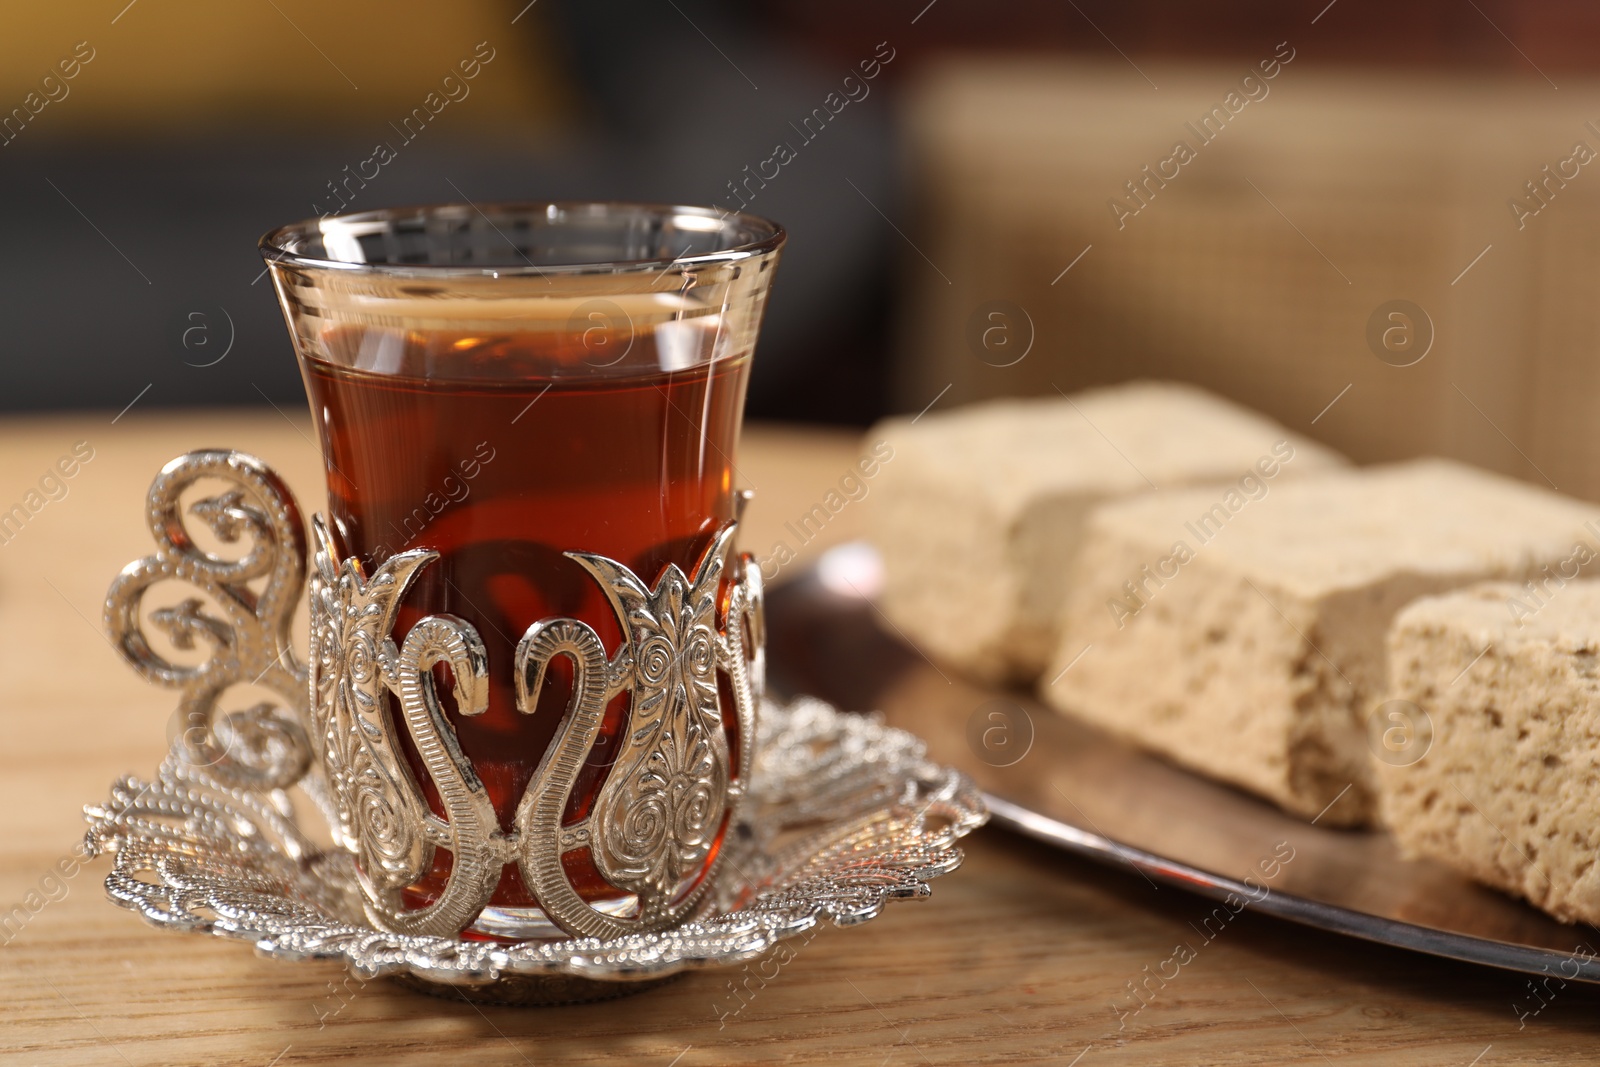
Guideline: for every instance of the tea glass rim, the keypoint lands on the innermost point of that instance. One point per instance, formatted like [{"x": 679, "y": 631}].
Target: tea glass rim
[{"x": 279, "y": 245}]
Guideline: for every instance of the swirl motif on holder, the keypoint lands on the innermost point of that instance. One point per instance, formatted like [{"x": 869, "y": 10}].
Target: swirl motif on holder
[
  {"x": 246, "y": 631},
  {"x": 672, "y": 788},
  {"x": 658, "y": 812},
  {"x": 382, "y": 813},
  {"x": 676, "y": 782}
]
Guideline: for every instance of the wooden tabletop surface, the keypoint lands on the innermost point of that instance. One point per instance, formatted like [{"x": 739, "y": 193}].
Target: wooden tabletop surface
[{"x": 1016, "y": 958}]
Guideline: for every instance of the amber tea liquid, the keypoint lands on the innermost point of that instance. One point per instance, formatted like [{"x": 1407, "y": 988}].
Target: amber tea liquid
[{"x": 500, "y": 453}]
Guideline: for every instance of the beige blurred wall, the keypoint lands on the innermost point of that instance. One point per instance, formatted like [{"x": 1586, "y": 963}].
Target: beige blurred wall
[
  {"x": 1254, "y": 271},
  {"x": 165, "y": 65}
]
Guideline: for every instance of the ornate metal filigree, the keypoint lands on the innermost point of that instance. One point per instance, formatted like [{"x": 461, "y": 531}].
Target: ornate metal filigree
[
  {"x": 661, "y": 807},
  {"x": 671, "y": 788},
  {"x": 245, "y": 630},
  {"x": 842, "y": 816},
  {"x": 668, "y": 796},
  {"x": 212, "y": 842},
  {"x": 382, "y": 813}
]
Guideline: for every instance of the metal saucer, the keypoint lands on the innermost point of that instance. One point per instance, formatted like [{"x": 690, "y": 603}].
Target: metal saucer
[{"x": 845, "y": 815}]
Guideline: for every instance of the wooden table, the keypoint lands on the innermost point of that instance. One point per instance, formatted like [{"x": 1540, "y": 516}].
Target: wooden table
[{"x": 1015, "y": 959}]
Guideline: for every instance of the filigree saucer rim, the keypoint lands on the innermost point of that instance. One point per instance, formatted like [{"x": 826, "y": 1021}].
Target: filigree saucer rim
[{"x": 854, "y": 890}]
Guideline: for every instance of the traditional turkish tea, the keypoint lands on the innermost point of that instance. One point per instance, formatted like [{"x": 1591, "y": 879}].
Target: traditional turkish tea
[
  {"x": 479, "y": 448},
  {"x": 529, "y": 415}
]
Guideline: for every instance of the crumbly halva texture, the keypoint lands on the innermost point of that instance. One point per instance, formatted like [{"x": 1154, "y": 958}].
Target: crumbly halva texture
[
  {"x": 1244, "y": 637},
  {"x": 1508, "y": 791},
  {"x": 981, "y": 513}
]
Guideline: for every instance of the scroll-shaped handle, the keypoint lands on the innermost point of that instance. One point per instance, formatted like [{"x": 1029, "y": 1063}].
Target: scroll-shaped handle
[{"x": 264, "y": 746}]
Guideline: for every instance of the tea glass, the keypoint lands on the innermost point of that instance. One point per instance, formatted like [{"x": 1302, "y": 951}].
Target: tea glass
[{"x": 535, "y": 648}]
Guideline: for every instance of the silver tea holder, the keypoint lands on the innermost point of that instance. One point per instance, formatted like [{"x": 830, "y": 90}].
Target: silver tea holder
[{"x": 829, "y": 816}]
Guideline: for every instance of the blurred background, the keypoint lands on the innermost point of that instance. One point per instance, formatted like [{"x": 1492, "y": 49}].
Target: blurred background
[{"x": 984, "y": 199}]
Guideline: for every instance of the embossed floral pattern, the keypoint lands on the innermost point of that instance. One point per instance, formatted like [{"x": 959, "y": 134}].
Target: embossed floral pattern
[{"x": 659, "y": 811}]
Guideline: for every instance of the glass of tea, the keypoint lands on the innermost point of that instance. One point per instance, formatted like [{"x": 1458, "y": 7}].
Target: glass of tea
[{"x": 535, "y": 648}]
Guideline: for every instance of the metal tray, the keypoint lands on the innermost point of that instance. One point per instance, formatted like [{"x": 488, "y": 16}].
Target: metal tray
[{"x": 1065, "y": 783}]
